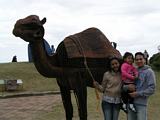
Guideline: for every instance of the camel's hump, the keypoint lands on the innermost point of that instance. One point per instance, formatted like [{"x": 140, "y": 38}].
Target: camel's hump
[{"x": 91, "y": 43}]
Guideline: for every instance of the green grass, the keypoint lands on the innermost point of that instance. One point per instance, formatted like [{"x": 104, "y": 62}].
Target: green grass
[
  {"x": 33, "y": 81},
  {"x": 154, "y": 101}
]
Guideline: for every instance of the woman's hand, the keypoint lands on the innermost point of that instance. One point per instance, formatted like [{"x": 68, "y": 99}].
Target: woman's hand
[
  {"x": 95, "y": 83},
  {"x": 133, "y": 94},
  {"x": 131, "y": 87}
]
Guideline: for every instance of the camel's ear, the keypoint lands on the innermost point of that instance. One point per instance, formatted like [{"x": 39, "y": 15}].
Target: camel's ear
[{"x": 43, "y": 21}]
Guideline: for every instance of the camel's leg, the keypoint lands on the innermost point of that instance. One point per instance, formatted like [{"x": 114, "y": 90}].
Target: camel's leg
[
  {"x": 82, "y": 103},
  {"x": 81, "y": 96},
  {"x": 66, "y": 98}
]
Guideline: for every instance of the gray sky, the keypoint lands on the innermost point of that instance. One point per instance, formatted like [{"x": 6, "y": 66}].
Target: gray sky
[{"x": 133, "y": 24}]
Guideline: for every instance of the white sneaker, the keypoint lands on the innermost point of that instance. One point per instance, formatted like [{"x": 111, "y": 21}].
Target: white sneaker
[
  {"x": 124, "y": 108},
  {"x": 131, "y": 106}
]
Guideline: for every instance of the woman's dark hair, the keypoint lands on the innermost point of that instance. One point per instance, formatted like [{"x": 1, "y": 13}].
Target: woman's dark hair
[
  {"x": 126, "y": 54},
  {"x": 139, "y": 53},
  {"x": 114, "y": 58}
]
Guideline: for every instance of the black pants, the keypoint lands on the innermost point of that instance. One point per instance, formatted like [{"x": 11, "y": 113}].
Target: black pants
[{"x": 126, "y": 98}]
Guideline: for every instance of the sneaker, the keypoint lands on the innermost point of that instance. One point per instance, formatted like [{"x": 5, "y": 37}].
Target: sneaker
[
  {"x": 124, "y": 108},
  {"x": 131, "y": 107}
]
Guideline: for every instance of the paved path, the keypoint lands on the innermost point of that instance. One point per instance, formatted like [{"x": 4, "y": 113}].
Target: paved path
[{"x": 26, "y": 108}]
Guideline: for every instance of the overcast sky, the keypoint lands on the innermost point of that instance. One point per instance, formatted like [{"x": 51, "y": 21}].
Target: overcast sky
[{"x": 133, "y": 24}]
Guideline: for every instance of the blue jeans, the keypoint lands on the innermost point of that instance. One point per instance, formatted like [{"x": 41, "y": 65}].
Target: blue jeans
[
  {"x": 141, "y": 113},
  {"x": 110, "y": 110}
]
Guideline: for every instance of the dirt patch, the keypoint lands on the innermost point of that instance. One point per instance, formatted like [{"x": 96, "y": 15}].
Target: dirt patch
[{"x": 26, "y": 108}]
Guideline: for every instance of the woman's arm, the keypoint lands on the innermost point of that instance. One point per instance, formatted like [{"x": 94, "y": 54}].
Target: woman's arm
[{"x": 101, "y": 87}]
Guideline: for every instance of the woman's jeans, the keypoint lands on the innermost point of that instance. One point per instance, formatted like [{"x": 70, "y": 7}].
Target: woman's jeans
[
  {"x": 141, "y": 113},
  {"x": 110, "y": 110}
]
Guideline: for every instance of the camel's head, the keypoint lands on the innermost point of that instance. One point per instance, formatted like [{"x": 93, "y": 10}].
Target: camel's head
[{"x": 29, "y": 28}]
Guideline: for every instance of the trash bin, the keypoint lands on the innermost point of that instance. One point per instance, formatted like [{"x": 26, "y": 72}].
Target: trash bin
[
  {"x": 12, "y": 85},
  {"x": 2, "y": 85}
]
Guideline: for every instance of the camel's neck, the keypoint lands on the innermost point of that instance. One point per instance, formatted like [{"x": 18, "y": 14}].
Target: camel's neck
[{"x": 45, "y": 64}]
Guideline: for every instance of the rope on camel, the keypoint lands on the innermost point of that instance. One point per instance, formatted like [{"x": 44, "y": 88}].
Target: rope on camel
[{"x": 89, "y": 71}]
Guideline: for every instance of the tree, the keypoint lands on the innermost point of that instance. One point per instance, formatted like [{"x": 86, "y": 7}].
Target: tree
[{"x": 155, "y": 61}]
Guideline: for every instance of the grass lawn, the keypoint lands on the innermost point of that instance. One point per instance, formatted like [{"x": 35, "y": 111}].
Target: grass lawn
[{"x": 33, "y": 81}]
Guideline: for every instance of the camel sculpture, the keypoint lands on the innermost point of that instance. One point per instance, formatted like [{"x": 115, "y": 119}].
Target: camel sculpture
[{"x": 79, "y": 59}]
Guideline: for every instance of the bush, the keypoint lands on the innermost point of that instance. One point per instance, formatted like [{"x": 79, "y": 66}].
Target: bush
[{"x": 155, "y": 61}]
